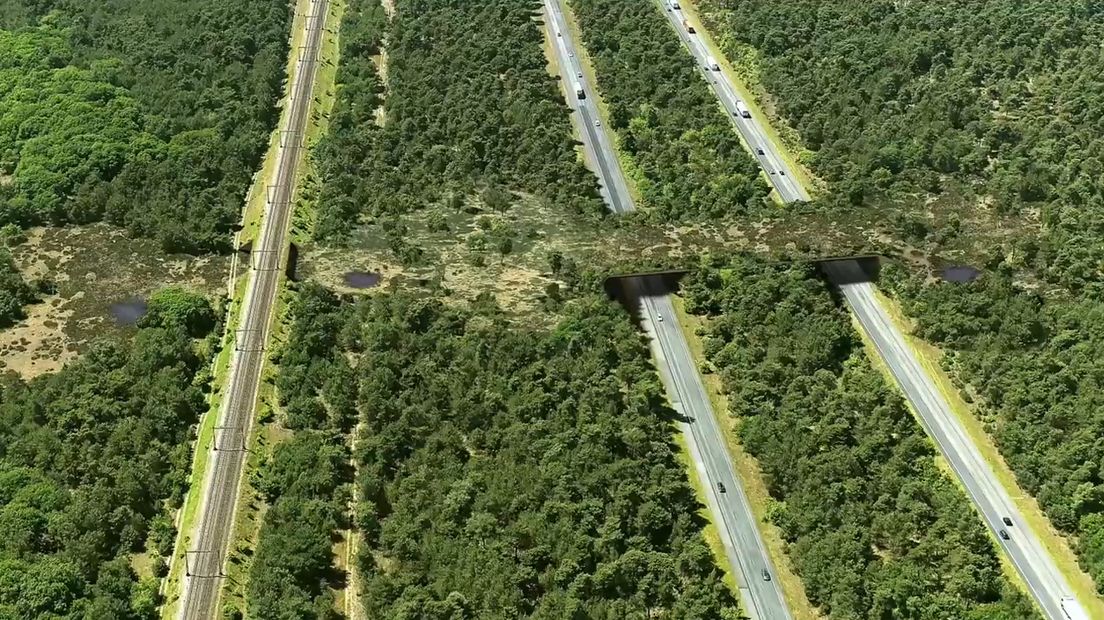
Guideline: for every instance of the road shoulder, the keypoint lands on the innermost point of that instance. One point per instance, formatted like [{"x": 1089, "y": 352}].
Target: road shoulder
[
  {"x": 747, "y": 469},
  {"x": 1054, "y": 543},
  {"x": 767, "y": 122}
]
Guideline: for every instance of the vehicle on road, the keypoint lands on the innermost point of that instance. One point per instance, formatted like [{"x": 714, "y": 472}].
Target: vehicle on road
[
  {"x": 579, "y": 92},
  {"x": 1004, "y": 535},
  {"x": 742, "y": 109},
  {"x": 759, "y": 150},
  {"x": 659, "y": 317},
  {"x": 721, "y": 487},
  {"x": 597, "y": 123},
  {"x": 674, "y": 4},
  {"x": 1008, "y": 521},
  {"x": 711, "y": 64},
  {"x": 1072, "y": 609},
  {"x": 781, "y": 173},
  {"x": 579, "y": 74},
  {"x": 689, "y": 28},
  {"x": 571, "y": 54},
  {"x": 766, "y": 575}
]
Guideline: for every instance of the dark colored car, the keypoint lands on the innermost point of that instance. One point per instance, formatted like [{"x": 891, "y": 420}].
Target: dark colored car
[
  {"x": 766, "y": 575},
  {"x": 1008, "y": 521},
  {"x": 721, "y": 487},
  {"x": 1004, "y": 535}
]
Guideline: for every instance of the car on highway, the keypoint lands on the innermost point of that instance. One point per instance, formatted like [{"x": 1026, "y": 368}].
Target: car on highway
[
  {"x": 781, "y": 173},
  {"x": 579, "y": 74},
  {"x": 721, "y": 487},
  {"x": 571, "y": 54},
  {"x": 1004, "y": 535},
  {"x": 1008, "y": 521},
  {"x": 759, "y": 150},
  {"x": 659, "y": 317},
  {"x": 597, "y": 123},
  {"x": 766, "y": 575}
]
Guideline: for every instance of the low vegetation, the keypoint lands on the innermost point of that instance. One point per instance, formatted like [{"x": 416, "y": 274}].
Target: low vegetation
[{"x": 875, "y": 529}]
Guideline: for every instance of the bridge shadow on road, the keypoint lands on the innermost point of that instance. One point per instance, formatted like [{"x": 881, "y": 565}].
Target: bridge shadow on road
[{"x": 628, "y": 288}]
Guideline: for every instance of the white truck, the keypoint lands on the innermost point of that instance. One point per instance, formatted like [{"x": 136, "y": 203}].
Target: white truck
[
  {"x": 742, "y": 109},
  {"x": 711, "y": 64},
  {"x": 579, "y": 92},
  {"x": 1072, "y": 609}
]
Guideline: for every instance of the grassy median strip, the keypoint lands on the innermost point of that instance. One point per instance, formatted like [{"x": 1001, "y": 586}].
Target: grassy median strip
[
  {"x": 747, "y": 469},
  {"x": 1053, "y": 542}
]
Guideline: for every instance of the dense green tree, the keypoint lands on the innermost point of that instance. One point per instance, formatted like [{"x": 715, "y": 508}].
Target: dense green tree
[
  {"x": 14, "y": 291},
  {"x": 973, "y": 126},
  {"x": 151, "y": 114},
  {"x": 469, "y": 105},
  {"x": 687, "y": 153},
  {"x": 874, "y": 528},
  {"x": 88, "y": 458},
  {"x": 504, "y": 470},
  {"x": 179, "y": 306}
]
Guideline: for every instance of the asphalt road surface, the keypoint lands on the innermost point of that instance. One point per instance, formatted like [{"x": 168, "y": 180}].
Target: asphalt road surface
[
  {"x": 206, "y": 555},
  {"x": 763, "y": 150},
  {"x": 1045, "y": 583},
  {"x": 730, "y": 510}
]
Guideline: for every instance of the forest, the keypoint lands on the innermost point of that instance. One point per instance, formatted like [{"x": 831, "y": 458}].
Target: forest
[
  {"x": 873, "y": 526},
  {"x": 149, "y": 114},
  {"x": 14, "y": 290},
  {"x": 978, "y": 109},
  {"x": 687, "y": 158},
  {"x": 93, "y": 459},
  {"x": 987, "y": 107},
  {"x": 469, "y": 106},
  {"x": 305, "y": 480},
  {"x": 1032, "y": 366},
  {"x": 504, "y": 471}
]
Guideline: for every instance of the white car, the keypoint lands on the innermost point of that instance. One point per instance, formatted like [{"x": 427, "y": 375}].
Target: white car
[{"x": 659, "y": 317}]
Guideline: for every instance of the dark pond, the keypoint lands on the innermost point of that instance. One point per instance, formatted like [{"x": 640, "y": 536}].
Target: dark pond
[
  {"x": 960, "y": 273},
  {"x": 129, "y": 311},
  {"x": 362, "y": 279}
]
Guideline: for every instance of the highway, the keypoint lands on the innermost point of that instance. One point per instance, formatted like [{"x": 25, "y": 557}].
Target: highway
[
  {"x": 1044, "y": 581},
  {"x": 206, "y": 552},
  {"x": 763, "y": 150},
  {"x": 729, "y": 509}
]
